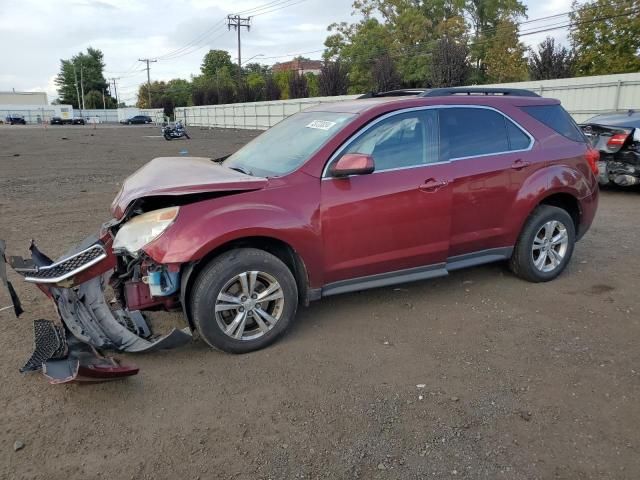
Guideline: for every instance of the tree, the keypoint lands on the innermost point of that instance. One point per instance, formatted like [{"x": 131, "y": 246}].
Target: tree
[
  {"x": 166, "y": 95},
  {"x": 449, "y": 63},
  {"x": 359, "y": 45},
  {"x": 88, "y": 70},
  {"x": 385, "y": 75},
  {"x": 486, "y": 17},
  {"x": 333, "y": 79},
  {"x": 298, "y": 87},
  {"x": 271, "y": 88},
  {"x": 216, "y": 60},
  {"x": 93, "y": 99},
  {"x": 504, "y": 57},
  {"x": 313, "y": 84},
  {"x": 606, "y": 36},
  {"x": 550, "y": 61}
]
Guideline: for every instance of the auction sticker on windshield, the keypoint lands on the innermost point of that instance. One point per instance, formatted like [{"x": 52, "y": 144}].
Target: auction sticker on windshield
[{"x": 321, "y": 124}]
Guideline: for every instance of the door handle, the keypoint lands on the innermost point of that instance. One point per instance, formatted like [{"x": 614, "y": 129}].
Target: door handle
[
  {"x": 520, "y": 164},
  {"x": 432, "y": 185}
]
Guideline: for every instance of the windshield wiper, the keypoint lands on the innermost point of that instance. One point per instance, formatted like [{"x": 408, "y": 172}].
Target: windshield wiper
[{"x": 242, "y": 170}]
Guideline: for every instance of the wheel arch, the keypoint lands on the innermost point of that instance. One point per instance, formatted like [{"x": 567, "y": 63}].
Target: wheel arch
[{"x": 279, "y": 248}]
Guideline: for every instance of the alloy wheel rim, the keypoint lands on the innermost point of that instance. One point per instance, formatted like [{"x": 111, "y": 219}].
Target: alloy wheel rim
[
  {"x": 249, "y": 305},
  {"x": 550, "y": 245}
]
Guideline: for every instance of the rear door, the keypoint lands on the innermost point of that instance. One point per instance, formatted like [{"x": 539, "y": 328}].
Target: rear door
[
  {"x": 397, "y": 217},
  {"x": 491, "y": 158}
]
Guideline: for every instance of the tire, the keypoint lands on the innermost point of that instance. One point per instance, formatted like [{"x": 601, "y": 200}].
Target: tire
[
  {"x": 527, "y": 261},
  {"x": 222, "y": 277},
  {"x": 167, "y": 136}
]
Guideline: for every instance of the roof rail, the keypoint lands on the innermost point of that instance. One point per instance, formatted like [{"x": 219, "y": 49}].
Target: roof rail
[
  {"x": 404, "y": 92},
  {"x": 445, "y": 92}
]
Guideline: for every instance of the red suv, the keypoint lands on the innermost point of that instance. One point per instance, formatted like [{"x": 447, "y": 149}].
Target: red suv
[{"x": 341, "y": 197}]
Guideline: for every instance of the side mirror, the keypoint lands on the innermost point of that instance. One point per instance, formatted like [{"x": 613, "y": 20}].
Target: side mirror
[{"x": 353, "y": 164}]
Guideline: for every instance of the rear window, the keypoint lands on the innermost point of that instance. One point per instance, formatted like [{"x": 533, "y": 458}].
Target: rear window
[{"x": 556, "y": 118}]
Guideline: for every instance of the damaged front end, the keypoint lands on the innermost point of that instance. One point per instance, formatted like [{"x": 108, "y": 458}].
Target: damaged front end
[{"x": 68, "y": 350}]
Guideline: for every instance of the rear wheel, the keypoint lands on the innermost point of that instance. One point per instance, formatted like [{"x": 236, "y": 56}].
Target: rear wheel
[
  {"x": 545, "y": 245},
  {"x": 243, "y": 300}
]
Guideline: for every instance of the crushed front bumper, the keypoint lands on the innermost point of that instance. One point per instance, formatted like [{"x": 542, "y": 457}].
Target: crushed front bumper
[{"x": 68, "y": 350}]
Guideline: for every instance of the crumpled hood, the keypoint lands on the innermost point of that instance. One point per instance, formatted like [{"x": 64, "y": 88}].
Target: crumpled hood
[{"x": 175, "y": 176}]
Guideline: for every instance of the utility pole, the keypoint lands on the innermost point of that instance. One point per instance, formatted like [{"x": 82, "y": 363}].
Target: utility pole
[
  {"x": 238, "y": 22},
  {"x": 75, "y": 74},
  {"x": 104, "y": 104},
  {"x": 148, "y": 77},
  {"x": 115, "y": 89},
  {"x": 82, "y": 84}
]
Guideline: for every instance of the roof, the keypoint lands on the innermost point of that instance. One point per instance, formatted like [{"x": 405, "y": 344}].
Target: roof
[{"x": 363, "y": 105}]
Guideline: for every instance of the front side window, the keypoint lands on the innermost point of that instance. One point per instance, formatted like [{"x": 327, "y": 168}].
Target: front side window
[{"x": 404, "y": 140}]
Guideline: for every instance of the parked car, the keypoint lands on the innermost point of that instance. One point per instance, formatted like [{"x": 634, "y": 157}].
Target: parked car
[
  {"x": 617, "y": 137},
  {"x": 138, "y": 119},
  {"x": 69, "y": 121},
  {"x": 338, "y": 198},
  {"x": 15, "y": 120}
]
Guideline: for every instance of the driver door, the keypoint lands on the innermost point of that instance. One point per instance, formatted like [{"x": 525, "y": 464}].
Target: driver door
[{"x": 397, "y": 217}]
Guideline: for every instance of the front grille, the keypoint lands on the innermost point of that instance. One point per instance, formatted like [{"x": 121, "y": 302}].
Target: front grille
[{"x": 63, "y": 269}]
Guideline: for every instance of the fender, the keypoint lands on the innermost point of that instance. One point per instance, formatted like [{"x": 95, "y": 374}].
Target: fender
[
  {"x": 576, "y": 181},
  {"x": 202, "y": 227}
]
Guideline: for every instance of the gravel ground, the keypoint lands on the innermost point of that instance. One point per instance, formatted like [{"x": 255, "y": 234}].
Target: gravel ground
[{"x": 476, "y": 375}]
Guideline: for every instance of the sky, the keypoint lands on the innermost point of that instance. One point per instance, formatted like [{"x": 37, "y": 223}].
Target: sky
[{"x": 36, "y": 34}]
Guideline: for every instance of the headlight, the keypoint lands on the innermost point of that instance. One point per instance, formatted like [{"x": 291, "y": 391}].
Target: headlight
[{"x": 144, "y": 229}]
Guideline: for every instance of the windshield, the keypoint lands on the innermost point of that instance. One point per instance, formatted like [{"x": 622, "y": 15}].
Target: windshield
[{"x": 288, "y": 144}]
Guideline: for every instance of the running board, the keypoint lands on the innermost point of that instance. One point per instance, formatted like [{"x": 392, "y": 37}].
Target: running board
[{"x": 418, "y": 273}]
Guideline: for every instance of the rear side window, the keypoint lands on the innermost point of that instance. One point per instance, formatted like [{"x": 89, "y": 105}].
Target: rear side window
[
  {"x": 556, "y": 118},
  {"x": 469, "y": 132}
]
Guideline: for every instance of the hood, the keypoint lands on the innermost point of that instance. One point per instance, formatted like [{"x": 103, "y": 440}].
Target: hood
[{"x": 176, "y": 176}]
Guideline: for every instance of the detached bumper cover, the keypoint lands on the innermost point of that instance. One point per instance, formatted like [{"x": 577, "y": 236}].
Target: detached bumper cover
[{"x": 76, "y": 284}]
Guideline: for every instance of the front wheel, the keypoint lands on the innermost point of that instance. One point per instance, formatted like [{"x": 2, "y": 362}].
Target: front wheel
[
  {"x": 545, "y": 245},
  {"x": 167, "y": 136},
  {"x": 243, "y": 300}
]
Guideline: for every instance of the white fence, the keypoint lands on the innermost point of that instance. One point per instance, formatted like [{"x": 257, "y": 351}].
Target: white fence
[
  {"x": 583, "y": 97},
  {"x": 252, "y": 115}
]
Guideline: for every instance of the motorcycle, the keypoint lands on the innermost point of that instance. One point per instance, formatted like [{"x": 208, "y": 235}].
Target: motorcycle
[{"x": 177, "y": 131}]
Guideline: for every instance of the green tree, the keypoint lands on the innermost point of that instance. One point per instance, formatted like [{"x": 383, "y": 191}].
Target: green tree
[
  {"x": 88, "y": 70},
  {"x": 504, "y": 56},
  {"x": 550, "y": 61},
  {"x": 606, "y": 36},
  {"x": 359, "y": 45},
  {"x": 216, "y": 60},
  {"x": 93, "y": 99},
  {"x": 313, "y": 84},
  {"x": 486, "y": 17}
]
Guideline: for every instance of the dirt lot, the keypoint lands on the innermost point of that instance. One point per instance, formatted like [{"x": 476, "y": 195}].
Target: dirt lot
[{"x": 521, "y": 381}]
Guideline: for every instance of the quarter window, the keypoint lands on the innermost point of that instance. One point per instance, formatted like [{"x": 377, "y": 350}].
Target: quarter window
[
  {"x": 403, "y": 140},
  {"x": 518, "y": 140}
]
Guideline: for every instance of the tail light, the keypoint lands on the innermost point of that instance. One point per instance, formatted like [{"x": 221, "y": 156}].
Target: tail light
[
  {"x": 617, "y": 140},
  {"x": 592, "y": 157}
]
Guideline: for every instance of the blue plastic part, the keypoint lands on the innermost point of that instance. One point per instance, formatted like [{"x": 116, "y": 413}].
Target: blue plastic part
[{"x": 163, "y": 283}]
